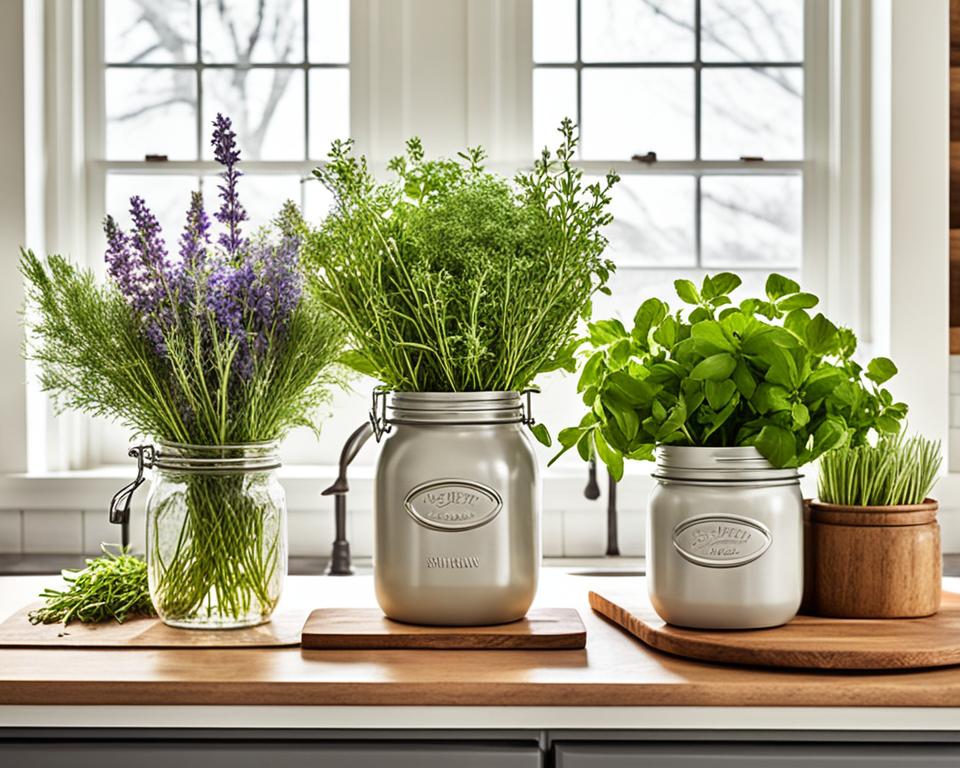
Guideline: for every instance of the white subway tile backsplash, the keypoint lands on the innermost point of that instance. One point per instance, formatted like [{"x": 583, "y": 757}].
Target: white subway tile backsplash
[
  {"x": 11, "y": 531},
  {"x": 359, "y": 532},
  {"x": 98, "y": 530},
  {"x": 53, "y": 531},
  {"x": 309, "y": 532},
  {"x": 954, "y": 364},
  {"x": 631, "y": 533},
  {"x": 551, "y": 533},
  {"x": 585, "y": 532}
]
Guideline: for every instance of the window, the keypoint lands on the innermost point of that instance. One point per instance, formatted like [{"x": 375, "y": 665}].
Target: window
[
  {"x": 713, "y": 90},
  {"x": 279, "y": 68}
]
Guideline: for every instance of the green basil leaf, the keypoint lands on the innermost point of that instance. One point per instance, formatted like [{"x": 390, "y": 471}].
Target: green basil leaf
[
  {"x": 832, "y": 433},
  {"x": 541, "y": 433},
  {"x": 710, "y": 338},
  {"x": 687, "y": 291},
  {"x": 797, "y": 301},
  {"x": 715, "y": 367},
  {"x": 719, "y": 392},
  {"x": 651, "y": 312},
  {"x": 666, "y": 333},
  {"x": 658, "y": 411},
  {"x": 609, "y": 456},
  {"x": 618, "y": 355},
  {"x": 568, "y": 437},
  {"x": 744, "y": 379},
  {"x": 777, "y": 445},
  {"x": 801, "y": 415},
  {"x": 606, "y": 332},
  {"x": 779, "y": 286},
  {"x": 674, "y": 421},
  {"x": 725, "y": 282},
  {"x": 590, "y": 374},
  {"x": 881, "y": 369},
  {"x": 770, "y": 398},
  {"x": 822, "y": 336},
  {"x": 796, "y": 322}
]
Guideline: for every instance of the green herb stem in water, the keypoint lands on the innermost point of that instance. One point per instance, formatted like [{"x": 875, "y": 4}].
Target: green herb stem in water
[{"x": 112, "y": 586}]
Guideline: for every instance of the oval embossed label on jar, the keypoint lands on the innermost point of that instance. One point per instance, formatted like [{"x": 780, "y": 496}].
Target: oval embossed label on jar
[
  {"x": 453, "y": 505},
  {"x": 721, "y": 541}
]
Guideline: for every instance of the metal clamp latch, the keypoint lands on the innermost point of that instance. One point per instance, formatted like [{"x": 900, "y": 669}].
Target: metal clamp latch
[
  {"x": 378, "y": 413},
  {"x": 120, "y": 504},
  {"x": 526, "y": 416}
]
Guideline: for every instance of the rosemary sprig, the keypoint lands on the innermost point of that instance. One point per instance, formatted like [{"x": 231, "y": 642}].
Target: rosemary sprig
[
  {"x": 894, "y": 471},
  {"x": 112, "y": 586}
]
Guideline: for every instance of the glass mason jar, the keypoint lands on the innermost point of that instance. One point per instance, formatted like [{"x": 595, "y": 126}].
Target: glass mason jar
[{"x": 216, "y": 534}]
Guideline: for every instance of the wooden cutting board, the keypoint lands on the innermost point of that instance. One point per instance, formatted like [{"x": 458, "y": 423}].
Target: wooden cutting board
[
  {"x": 282, "y": 630},
  {"x": 364, "y": 628},
  {"x": 808, "y": 642}
]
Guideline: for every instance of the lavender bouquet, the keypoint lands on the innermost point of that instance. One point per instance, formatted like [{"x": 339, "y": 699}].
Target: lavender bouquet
[{"x": 216, "y": 354}]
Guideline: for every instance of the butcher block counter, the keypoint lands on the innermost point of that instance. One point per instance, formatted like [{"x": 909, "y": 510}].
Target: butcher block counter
[{"x": 614, "y": 682}]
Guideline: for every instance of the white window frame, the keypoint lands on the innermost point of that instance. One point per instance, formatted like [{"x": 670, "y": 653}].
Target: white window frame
[{"x": 851, "y": 223}]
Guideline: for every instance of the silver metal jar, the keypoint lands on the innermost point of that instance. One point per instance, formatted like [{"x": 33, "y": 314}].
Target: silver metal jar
[
  {"x": 457, "y": 501},
  {"x": 724, "y": 539}
]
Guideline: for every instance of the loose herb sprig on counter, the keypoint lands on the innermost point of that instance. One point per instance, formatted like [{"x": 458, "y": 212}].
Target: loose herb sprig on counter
[
  {"x": 112, "y": 586},
  {"x": 451, "y": 279}
]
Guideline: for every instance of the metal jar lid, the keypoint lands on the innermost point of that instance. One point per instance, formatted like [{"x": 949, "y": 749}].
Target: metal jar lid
[
  {"x": 454, "y": 408},
  {"x": 708, "y": 464}
]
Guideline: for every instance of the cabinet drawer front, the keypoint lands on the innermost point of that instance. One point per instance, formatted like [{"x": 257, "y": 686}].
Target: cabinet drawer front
[
  {"x": 768, "y": 755},
  {"x": 279, "y": 754}
]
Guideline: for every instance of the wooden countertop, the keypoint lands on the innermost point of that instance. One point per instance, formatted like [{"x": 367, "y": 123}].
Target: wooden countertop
[{"x": 614, "y": 670}]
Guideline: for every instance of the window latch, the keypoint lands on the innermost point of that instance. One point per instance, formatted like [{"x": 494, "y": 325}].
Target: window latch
[
  {"x": 650, "y": 157},
  {"x": 751, "y": 158}
]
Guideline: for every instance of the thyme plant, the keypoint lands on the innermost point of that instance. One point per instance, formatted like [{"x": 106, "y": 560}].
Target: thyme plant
[
  {"x": 449, "y": 278},
  {"x": 894, "y": 471}
]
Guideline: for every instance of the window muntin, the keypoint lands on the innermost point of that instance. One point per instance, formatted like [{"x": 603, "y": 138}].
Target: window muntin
[{"x": 715, "y": 89}]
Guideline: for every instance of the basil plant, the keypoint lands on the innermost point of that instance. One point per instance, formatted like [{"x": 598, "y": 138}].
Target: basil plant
[{"x": 764, "y": 372}]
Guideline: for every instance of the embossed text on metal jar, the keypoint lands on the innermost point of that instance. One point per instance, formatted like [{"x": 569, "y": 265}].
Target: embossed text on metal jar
[
  {"x": 724, "y": 539},
  {"x": 457, "y": 500}
]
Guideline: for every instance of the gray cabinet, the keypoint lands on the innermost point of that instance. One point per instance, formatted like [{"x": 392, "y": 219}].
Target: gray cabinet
[
  {"x": 732, "y": 754},
  {"x": 258, "y": 754}
]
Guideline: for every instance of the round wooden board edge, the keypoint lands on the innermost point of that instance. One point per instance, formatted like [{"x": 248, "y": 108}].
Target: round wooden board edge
[{"x": 699, "y": 650}]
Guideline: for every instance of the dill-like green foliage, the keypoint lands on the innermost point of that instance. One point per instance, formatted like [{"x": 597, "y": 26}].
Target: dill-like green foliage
[
  {"x": 451, "y": 279},
  {"x": 894, "y": 471},
  {"x": 94, "y": 358},
  {"x": 112, "y": 586}
]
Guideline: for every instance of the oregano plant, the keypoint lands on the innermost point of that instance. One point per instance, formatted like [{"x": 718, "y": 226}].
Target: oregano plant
[{"x": 764, "y": 372}]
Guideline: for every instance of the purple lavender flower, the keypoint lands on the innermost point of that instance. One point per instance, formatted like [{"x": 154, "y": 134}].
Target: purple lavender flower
[
  {"x": 231, "y": 213},
  {"x": 196, "y": 233},
  {"x": 139, "y": 265}
]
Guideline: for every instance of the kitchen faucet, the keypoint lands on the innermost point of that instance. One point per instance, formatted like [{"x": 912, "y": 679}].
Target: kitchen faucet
[
  {"x": 592, "y": 492},
  {"x": 340, "y": 556}
]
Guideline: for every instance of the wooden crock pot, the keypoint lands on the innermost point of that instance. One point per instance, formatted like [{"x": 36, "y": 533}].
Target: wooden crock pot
[{"x": 874, "y": 562}]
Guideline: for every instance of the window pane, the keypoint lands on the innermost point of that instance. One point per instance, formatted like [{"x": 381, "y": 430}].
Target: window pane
[
  {"x": 266, "y": 106},
  {"x": 554, "y": 98},
  {"x": 751, "y": 30},
  {"x": 265, "y": 32},
  {"x": 151, "y": 111},
  {"x": 751, "y": 221},
  {"x": 152, "y": 31},
  {"x": 635, "y": 111},
  {"x": 554, "y": 30},
  {"x": 653, "y": 221},
  {"x": 329, "y": 31},
  {"x": 262, "y": 195},
  {"x": 166, "y": 195},
  {"x": 756, "y": 112},
  {"x": 634, "y": 30},
  {"x": 329, "y": 108}
]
